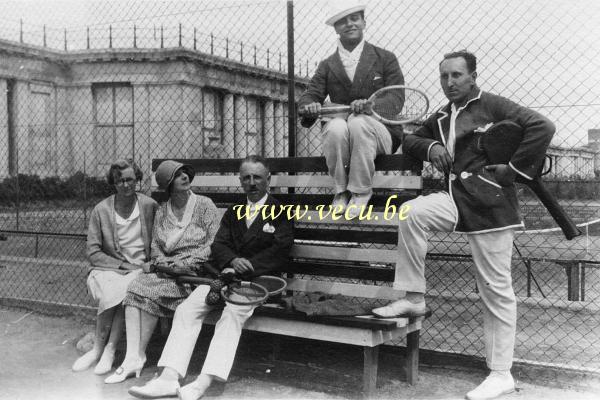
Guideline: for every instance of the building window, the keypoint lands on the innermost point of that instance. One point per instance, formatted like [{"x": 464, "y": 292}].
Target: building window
[
  {"x": 212, "y": 121},
  {"x": 254, "y": 126},
  {"x": 113, "y": 124},
  {"x": 253, "y": 116},
  {"x": 41, "y": 138}
]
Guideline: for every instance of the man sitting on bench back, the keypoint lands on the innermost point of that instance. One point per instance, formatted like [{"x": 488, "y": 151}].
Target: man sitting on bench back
[{"x": 247, "y": 246}]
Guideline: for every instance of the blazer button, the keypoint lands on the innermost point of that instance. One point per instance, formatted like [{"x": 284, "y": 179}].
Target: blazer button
[
  {"x": 465, "y": 175},
  {"x": 452, "y": 176}
]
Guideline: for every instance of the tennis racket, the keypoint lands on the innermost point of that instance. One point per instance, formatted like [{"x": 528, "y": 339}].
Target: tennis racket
[
  {"x": 237, "y": 291},
  {"x": 391, "y": 105},
  {"x": 499, "y": 143}
]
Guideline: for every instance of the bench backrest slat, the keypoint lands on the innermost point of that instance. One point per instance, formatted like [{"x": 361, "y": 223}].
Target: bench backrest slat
[
  {"x": 371, "y": 273},
  {"x": 306, "y": 181},
  {"x": 390, "y": 162},
  {"x": 378, "y": 201},
  {"x": 346, "y": 235},
  {"x": 344, "y": 254}
]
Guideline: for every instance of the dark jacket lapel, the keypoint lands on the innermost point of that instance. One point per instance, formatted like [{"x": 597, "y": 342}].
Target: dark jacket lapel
[
  {"x": 337, "y": 68},
  {"x": 257, "y": 224}
]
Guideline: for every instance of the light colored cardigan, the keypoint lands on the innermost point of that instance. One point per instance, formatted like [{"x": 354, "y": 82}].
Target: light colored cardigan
[{"x": 103, "y": 249}]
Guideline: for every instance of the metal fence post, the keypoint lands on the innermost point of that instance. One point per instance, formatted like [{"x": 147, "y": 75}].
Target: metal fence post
[
  {"x": 179, "y": 35},
  {"x": 291, "y": 81}
]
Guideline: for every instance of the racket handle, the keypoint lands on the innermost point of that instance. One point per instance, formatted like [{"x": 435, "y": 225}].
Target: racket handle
[
  {"x": 210, "y": 269},
  {"x": 565, "y": 223},
  {"x": 327, "y": 110}
]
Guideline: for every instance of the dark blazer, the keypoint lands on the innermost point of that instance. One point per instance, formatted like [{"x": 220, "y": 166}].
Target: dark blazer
[
  {"x": 376, "y": 68},
  {"x": 483, "y": 205},
  {"x": 266, "y": 243}
]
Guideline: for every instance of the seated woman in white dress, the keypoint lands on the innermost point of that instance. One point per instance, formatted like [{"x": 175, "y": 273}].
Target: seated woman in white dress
[
  {"x": 118, "y": 245},
  {"x": 184, "y": 228}
]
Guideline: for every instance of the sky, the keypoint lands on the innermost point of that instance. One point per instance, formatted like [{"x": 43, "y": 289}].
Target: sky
[{"x": 544, "y": 54}]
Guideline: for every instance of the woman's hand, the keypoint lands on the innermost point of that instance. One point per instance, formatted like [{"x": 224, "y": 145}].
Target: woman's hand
[
  {"x": 129, "y": 267},
  {"x": 148, "y": 267}
]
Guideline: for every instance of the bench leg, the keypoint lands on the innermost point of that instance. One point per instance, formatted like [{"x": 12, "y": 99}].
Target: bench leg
[
  {"x": 371, "y": 361},
  {"x": 573, "y": 284},
  {"x": 412, "y": 357}
]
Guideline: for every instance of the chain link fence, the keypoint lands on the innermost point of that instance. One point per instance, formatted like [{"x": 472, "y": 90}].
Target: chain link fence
[{"x": 85, "y": 83}]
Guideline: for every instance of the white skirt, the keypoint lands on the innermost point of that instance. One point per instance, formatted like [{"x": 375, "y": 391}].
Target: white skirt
[{"x": 108, "y": 288}]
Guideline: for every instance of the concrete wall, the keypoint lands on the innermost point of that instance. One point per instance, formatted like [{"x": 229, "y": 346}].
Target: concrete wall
[{"x": 59, "y": 99}]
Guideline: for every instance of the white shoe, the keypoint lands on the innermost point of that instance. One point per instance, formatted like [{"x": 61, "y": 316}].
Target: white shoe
[
  {"x": 340, "y": 201},
  {"x": 358, "y": 203},
  {"x": 495, "y": 385},
  {"x": 105, "y": 364},
  {"x": 125, "y": 371},
  {"x": 85, "y": 361},
  {"x": 156, "y": 388},
  {"x": 192, "y": 391},
  {"x": 401, "y": 308}
]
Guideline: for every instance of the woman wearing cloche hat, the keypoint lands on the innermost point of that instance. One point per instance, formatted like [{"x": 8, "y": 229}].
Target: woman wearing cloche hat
[{"x": 184, "y": 228}]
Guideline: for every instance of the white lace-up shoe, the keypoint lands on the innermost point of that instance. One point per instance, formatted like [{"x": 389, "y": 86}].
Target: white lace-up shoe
[{"x": 495, "y": 385}]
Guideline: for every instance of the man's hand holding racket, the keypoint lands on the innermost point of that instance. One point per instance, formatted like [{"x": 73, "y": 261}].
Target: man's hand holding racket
[{"x": 240, "y": 266}]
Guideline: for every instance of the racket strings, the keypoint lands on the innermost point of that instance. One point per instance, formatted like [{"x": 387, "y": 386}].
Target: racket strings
[
  {"x": 400, "y": 104},
  {"x": 244, "y": 293}
]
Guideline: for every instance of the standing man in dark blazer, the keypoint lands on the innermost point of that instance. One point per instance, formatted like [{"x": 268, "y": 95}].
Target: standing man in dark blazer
[
  {"x": 350, "y": 76},
  {"x": 480, "y": 200},
  {"x": 247, "y": 246}
]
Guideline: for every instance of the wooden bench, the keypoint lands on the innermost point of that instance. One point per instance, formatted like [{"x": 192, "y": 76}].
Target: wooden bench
[{"x": 353, "y": 258}]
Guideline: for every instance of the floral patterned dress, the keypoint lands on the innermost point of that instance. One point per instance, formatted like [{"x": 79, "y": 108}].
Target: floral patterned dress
[{"x": 188, "y": 239}]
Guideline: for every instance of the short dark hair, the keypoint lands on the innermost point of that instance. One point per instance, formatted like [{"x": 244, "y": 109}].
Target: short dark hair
[
  {"x": 255, "y": 158},
  {"x": 114, "y": 172},
  {"x": 469, "y": 58}
]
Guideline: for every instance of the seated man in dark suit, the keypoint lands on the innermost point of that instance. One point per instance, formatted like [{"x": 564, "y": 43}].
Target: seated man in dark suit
[{"x": 249, "y": 247}]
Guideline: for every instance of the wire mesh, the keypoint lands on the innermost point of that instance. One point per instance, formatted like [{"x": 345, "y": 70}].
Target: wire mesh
[{"x": 85, "y": 83}]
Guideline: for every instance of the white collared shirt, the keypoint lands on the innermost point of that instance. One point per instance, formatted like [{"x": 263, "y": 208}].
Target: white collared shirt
[
  {"x": 350, "y": 58},
  {"x": 452, "y": 131},
  {"x": 251, "y": 216}
]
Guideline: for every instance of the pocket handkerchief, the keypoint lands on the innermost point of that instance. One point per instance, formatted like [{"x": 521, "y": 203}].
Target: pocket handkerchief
[
  {"x": 484, "y": 128},
  {"x": 268, "y": 228}
]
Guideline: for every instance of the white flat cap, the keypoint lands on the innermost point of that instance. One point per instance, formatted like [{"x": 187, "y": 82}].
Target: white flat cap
[{"x": 341, "y": 9}]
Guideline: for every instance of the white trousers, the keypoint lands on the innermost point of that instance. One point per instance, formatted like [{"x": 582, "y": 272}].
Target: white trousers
[
  {"x": 350, "y": 148},
  {"x": 187, "y": 324},
  {"x": 492, "y": 254}
]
